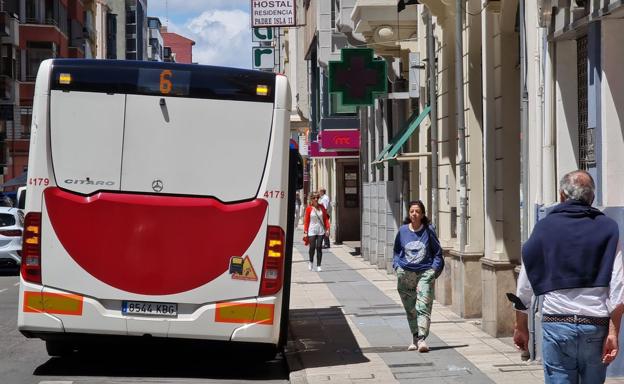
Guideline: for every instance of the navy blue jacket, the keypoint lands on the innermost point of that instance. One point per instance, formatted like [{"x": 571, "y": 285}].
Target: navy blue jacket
[
  {"x": 573, "y": 247},
  {"x": 417, "y": 251}
]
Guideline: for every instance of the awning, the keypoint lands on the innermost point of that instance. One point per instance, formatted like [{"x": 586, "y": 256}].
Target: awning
[
  {"x": 390, "y": 152},
  {"x": 16, "y": 181}
]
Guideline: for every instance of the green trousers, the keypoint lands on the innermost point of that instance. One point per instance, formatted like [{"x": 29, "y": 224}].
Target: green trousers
[{"x": 416, "y": 291}]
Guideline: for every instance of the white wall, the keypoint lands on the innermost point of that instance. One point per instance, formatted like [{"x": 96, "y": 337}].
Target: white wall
[
  {"x": 612, "y": 112},
  {"x": 566, "y": 107}
]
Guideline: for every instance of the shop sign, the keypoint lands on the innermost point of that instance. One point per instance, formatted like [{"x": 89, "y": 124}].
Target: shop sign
[
  {"x": 273, "y": 13},
  {"x": 340, "y": 139},
  {"x": 315, "y": 151}
]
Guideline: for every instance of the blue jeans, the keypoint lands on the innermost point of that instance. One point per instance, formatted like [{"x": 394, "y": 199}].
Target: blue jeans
[{"x": 572, "y": 353}]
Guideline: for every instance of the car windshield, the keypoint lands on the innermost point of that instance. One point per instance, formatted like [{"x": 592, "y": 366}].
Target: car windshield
[{"x": 6, "y": 220}]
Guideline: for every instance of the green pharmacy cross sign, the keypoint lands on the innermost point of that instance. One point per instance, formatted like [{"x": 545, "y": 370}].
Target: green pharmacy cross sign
[{"x": 358, "y": 77}]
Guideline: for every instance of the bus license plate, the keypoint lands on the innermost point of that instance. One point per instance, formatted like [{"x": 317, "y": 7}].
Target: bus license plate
[{"x": 149, "y": 309}]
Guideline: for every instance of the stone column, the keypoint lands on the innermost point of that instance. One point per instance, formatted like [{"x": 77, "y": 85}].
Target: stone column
[
  {"x": 501, "y": 87},
  {"x": 447, "y": 148},
  {"x": 466, "y": 265}
]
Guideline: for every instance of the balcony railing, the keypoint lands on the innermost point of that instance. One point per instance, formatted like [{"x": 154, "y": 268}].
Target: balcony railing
[{"x": 46, "y": 21}]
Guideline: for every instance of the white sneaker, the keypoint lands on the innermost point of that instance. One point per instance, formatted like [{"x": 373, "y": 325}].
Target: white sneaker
[
  {"x": 422, "y": 346},
  {"x": 309, "y": 266},
  {"x": 412, "y": 347},
  {"x": 318, "y": 269}
]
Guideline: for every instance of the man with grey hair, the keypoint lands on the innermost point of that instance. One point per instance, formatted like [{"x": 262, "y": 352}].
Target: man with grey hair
[{"x": 573, "y": 259}]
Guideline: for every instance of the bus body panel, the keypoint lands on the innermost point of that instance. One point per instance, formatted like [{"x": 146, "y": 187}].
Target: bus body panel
[
  {"x": 86, "y": 140},
  {"x": 276, "y": 178},
  {"x": 221, "y": 309},
  {"x": 105, "y": 266},
  {"x": 195, "y": 146}
]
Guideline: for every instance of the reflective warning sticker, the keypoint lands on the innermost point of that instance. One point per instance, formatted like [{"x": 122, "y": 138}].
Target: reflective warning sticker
[
  {"x": 247, "y": 271},
  {"x": 55, "y": 303},
  {"x": 233, "y": 312}
]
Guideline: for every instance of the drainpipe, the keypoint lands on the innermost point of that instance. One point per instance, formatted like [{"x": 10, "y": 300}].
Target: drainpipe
[
  {"x": 548, "y": 150},
  {"x": 433, "y": 115},
  {"x": 524, "y": 126},
  {"x": 461, "y": 128}
]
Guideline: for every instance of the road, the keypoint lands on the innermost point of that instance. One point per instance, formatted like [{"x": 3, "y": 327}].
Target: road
[{"x": 25, "y": 360}]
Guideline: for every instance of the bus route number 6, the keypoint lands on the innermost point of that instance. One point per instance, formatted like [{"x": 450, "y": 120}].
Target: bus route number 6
[{"x": 165, "y": 83}]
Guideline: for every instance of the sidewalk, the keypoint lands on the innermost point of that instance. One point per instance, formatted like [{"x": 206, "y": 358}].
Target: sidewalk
[{"x": 347, "y": 325}]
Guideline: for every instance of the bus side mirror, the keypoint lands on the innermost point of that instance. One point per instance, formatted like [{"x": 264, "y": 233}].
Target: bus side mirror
[{"x": 21, "y": 198}]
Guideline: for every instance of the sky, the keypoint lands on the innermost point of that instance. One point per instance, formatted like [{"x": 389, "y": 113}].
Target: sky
[{"x": 220, "y": 28}]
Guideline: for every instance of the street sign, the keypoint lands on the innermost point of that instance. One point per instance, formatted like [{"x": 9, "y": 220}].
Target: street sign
[
  {"x": 358, "y": 77},
  {"x": 262, "y": 34},
  {"x": 273, "y": 13},
  {"x": 263, "y": 57}
]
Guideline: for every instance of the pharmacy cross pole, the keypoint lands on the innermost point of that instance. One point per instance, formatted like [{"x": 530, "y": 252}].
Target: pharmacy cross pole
[{"x": 358, "y": 77}]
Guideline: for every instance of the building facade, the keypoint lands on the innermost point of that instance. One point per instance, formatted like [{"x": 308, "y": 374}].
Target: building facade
[
  {"x": 330, "y": 165},
  {"x": 54, "y": 28},
  {"x": 155, "y": 44},
  {"x": 177, "y": 48},
  {"x": 9, "y": 87}
]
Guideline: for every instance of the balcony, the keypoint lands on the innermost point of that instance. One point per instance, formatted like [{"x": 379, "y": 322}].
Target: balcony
[{"x": 377, "y": 20}]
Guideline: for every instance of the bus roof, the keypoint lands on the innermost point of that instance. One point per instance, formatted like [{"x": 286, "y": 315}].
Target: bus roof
[{"x": 162, "y": 79}]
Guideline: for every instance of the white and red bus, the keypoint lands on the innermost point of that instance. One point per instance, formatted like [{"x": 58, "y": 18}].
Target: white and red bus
[{"x": 160, "y": 203}]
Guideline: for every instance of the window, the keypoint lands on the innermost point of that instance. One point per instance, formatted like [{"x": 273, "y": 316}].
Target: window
[
  {"x": 587, "y": 153},
  {"x": 36, "y": 52},
  {"x": 154, "y": 43},
  {"x": 8, "y": 66},
  {"x": 51, "y": 12},
  {"x": 31, "y": 12},
  {"x": 130, "y": 16},
  {"x": 62, "y": 19},
  {"x": 111, "y": 36},
  {"x": 25, "y": 120},
  {"x": 131, "y": 45},
  {"x": 153, "y": 23}
]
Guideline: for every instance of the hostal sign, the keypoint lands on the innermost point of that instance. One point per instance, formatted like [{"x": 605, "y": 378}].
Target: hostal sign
[{"x": 273, "y": 13}]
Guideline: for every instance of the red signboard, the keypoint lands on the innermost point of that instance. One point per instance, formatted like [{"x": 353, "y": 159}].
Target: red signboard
[
  {"x": 315, "y": 151},
  {"x": 340, "y": 139}
]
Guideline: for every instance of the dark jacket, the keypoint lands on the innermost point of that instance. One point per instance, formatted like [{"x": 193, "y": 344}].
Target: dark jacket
[{"x": 573, "y": 247}]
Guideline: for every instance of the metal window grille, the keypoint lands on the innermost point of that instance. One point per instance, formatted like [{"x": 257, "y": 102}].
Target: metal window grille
[{"x": 587, "y": 154}]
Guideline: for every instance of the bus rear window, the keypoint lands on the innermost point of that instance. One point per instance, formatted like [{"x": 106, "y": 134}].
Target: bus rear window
[{"x": 162, "y": 79}]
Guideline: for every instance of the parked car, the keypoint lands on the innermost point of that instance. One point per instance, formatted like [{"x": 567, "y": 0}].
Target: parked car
[{"x": 11, "y": 227}]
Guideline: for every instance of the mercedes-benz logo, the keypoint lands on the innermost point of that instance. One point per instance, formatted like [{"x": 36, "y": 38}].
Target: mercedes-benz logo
[{"x": 157, "y": 185}]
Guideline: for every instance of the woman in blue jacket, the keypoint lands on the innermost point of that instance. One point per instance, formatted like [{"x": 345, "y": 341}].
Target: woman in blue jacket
[{"x": 418, "y": 262}]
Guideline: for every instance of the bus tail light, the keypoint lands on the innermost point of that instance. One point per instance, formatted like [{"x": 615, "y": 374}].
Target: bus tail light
[
  {"x": 31, "y": 248},
  {"x": 273, "y": 267}
]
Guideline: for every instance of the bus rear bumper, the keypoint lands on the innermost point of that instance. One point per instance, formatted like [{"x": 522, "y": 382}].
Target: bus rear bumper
[{"x": 252, "y": 320}]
